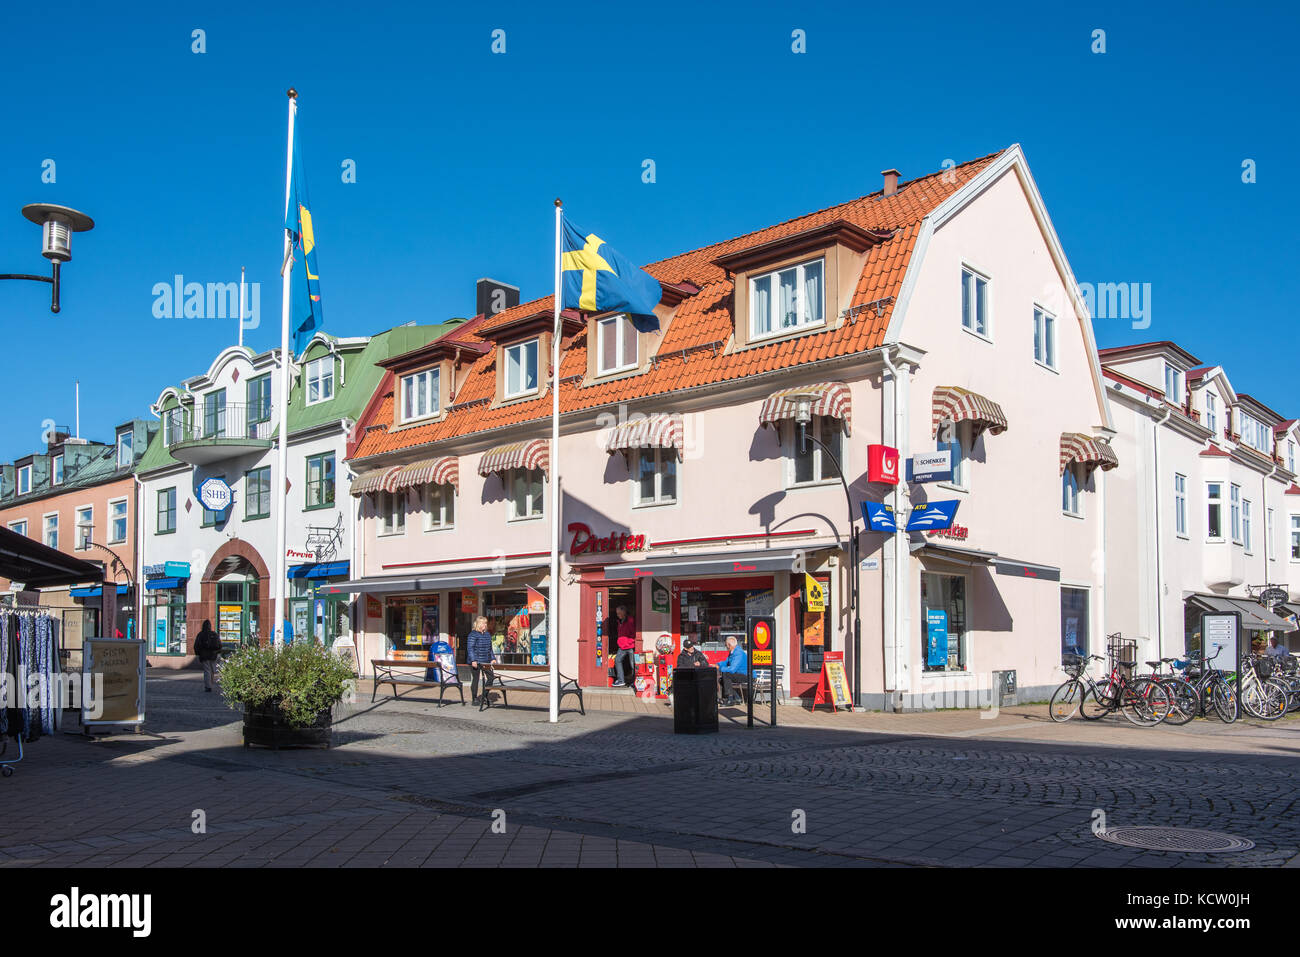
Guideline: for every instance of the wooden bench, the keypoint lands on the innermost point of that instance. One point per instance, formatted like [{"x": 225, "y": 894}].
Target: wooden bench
[
  {"x": 388, "y": 671},
  {"x": 526, "y": 678}
]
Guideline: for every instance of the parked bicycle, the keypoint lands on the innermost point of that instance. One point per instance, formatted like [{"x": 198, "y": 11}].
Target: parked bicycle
[{"x": 1143, "y": 701}]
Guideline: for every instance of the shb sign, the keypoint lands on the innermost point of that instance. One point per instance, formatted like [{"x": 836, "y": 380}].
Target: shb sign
[{"x": 215, "y": 495}]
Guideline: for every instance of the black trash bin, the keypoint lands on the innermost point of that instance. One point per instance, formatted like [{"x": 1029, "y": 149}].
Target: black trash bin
[{"x": 695, "y": 700}]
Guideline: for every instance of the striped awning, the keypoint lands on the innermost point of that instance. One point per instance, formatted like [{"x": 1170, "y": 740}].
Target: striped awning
[
  {"x": 832, "y": 400},
  {"x": 368, "y": 483},
  {"x": 661, "y": 430},
  {"x": 955, "y": 404},
  {"x": 444, "y": 470},
  {"x": 521, "y": 455},
  {"x": 1086, "y": 451}
]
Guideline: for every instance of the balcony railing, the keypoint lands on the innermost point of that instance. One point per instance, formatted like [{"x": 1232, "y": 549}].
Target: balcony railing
[{"x": 234, "y": 422}]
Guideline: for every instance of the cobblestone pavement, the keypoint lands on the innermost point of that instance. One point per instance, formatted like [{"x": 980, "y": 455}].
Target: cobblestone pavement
[{"x": 412, "y": 784}]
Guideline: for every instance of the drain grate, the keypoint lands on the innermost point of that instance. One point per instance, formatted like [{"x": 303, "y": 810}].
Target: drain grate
[{"x": 1185, "y": 839}]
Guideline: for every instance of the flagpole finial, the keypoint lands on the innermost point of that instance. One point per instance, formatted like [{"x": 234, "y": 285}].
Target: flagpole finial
[
  {"x": 293, "y": 94},
  {"x": 559, "y": 202}
]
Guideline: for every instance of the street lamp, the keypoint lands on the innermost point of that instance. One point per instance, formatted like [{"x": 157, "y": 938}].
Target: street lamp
[
  {"x": 57, "y": 223},
  {"x": 803, "y": 404}
]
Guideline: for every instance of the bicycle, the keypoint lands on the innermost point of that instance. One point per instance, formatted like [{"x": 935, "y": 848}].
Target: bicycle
[
  {"x": 1184, "y": 697},
  {"x": 1213, "y": 687},
  {"x": 1262, "y": 695},
  {"x": 1142, "y": 701},
  {"x": 1066, "y": 699}
]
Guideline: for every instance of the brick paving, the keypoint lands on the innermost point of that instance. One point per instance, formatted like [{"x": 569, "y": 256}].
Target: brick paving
[{"x": 409, "y": 784}]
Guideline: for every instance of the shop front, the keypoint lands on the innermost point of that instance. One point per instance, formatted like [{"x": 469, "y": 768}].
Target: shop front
[
  {"x": 312, "y": 610},
  {"x": 165, "y": 603}
]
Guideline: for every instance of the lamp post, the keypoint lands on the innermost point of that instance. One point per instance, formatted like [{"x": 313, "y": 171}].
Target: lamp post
[
  {"x": 803, "y": 403},
  {"x": 57, "y": 223}
]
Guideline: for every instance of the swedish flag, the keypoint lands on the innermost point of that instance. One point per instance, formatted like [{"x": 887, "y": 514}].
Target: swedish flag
[
  {"x": 305, "y": 315},
  {"x": 598, "y": 279}
]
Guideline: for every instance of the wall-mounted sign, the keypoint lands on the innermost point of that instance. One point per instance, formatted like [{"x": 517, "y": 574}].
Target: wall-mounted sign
[
  {"x": 931, "y": 516},
  {"x": 215, "y": 495},
  {"x": 814, "y": 594},
  {"x": 958, "y": 532},
  {"x": 1273, "y": 596},
  {"x": 930, "y": 467},
  {"x": 879, "y": 517},
  {"x": 659, "y": 599},
  {"x": 374, "y": 607},
  {"x": 294, "y": 553},
  {"x": 584, "y": 542},
  {"x": 870, "y": 564},
  {"x": 536, "y": 602},
  {"x": 882, "y": 464}
]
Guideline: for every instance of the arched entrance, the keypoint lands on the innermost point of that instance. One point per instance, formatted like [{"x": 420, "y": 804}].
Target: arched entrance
[{"x": 236, "y": 595}]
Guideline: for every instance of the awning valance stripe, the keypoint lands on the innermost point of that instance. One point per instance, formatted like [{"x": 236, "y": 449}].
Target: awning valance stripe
[
  {"x": 367, "y": 483},
  {"x": 955, "y": 404},
  {"x": 659, "y": 431},
  {"x": 444, "y": 470},
  {"x": 833, "y": 401},
  {"x": 535, "y": 454},
  {"x": 1086, "y": 451}
]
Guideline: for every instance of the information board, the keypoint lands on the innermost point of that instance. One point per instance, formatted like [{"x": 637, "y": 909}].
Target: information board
[
  {"x": 1221, "y": 636},
  {"x": 113, "y": 667}
]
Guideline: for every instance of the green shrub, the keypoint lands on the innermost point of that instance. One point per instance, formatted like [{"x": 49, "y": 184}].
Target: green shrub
[{"x": 301, "y": 680}]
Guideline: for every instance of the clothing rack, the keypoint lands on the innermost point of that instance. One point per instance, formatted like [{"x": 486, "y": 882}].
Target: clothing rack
[{"x": 13, "y": 616}]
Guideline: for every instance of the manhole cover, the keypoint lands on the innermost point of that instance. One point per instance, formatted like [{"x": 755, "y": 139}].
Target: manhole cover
[{"x": 1184, "y": 839}]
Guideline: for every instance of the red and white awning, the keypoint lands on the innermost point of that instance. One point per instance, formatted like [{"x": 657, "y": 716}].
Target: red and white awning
[
  {"x": 444, "y": 470},
  {"x": 662, "y": 430},
  {"x": 534, "y": 454},
  {"x": 832, "y": 400},
  {"x": 1086, "y": 451},
  {"x": 955, "y": 404},
  {"x": 367, "y": 483}
]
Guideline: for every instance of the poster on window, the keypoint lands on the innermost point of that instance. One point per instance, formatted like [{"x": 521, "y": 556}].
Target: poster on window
[
  {"x": 760, "y": 604},
  {"x": 536, "y": 602},
  {"x": 429, "y": 625},
  {"x": 228, "y": 623},
  {"x": 936, "y": 625},
  {"x": 469, "y": 601},
  {"x": 659, "y": 601},
  {"x": 814, "y": 630}
]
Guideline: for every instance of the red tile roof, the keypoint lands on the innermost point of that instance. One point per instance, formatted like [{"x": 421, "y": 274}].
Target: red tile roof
[{"x": 693, "y": 350}]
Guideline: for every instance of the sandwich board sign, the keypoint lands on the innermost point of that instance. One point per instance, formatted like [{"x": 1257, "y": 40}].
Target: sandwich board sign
[
  {"x": 112, "y": 675},
  {"x": 833, "y": 686}
]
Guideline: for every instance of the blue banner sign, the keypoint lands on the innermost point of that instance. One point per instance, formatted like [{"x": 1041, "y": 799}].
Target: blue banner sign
[
  {"x": 879, "y": 517},
  {"x": 936, "y": 630},
  {"x": 932, "y": 516}
]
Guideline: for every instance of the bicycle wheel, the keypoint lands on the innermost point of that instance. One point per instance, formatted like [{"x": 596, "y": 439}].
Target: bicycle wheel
[
  {"x": 1224, "y": 698},
  {"x": 1065, "y": 700},
  {"x": 1270, "y": 700},
  {"x": 1145, "y": 703},
  {"x": 1096, "y": 703},
  {"x": 1184, "y": 702}
]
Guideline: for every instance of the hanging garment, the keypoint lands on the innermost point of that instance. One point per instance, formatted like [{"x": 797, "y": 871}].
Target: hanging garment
[
  {"x": 45, "y": 664},
  {"x": 26, "y": 652},
  {"x": 6, "y": 681}
]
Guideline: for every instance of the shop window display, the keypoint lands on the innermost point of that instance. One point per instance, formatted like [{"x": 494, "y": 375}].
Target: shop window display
[
  {"x": 712, "y": 616},
  {"x": 518, "y": 637},
  {"x": 412, "y": 626}
]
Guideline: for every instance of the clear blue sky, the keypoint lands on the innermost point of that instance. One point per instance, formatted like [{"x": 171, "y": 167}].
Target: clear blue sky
[{"x": 459, "y": 153}]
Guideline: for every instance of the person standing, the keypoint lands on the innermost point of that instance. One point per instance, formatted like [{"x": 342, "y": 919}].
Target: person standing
[
  {"x": 626, "y": 629},
  {"x": 207, "y": 645},
  {"x": 479, "y": 655}
]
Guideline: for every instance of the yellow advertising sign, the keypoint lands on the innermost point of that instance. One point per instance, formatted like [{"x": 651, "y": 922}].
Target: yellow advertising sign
[
  {"x": 815, "y": 592},
  {"x": 839, "y": 683}
]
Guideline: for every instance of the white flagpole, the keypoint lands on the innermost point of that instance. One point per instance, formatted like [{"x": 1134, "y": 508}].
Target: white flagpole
[
  {"x": 282, "y": 449},
  {"x": 241, "y": 307},
  {"x": 552, "y": 599}
]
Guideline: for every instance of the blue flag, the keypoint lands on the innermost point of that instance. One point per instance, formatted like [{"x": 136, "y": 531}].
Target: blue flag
[
  {"x": 305, "y": 316},
  {"x": 598, "y": 279}
]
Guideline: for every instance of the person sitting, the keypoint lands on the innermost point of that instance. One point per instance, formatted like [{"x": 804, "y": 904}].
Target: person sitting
[
  {"x": 691, "y": 656},
  {"x": 1275, "y": 650},
  {"x": 733, "y": 672}
]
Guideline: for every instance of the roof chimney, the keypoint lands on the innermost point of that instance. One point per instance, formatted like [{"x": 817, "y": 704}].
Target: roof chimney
[
  {"x": 493, "y": 297},
  {"x": 891, "y": 181}
]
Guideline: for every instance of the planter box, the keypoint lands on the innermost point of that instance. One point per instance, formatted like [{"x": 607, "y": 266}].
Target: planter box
[{"x": 267, "y": 728}]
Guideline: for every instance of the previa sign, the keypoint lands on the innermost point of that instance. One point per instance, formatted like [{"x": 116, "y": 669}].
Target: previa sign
[
  {"x": 930, "y": 467},
  {"x": 882, "y": 464}
]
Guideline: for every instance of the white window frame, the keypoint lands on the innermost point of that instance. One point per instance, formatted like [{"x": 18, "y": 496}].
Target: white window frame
[
  {"x": 622, "y": 328},
  {"x": 319, "y": 372},
  {"x": 390, "y": 510},
  {"x": 959, "y": 455},
  {"x": 816, "y": 430},
  {"x": 77, "y": 523},
  {"x": 1212, "y": 413},
  {"x": 1173, "y": 384},
  {"x": 1214, "y": 500},
  {"x": 536, "y": 508},
  {"x": 56, "y": 470},
  {"x": 1290, "y": 455},
  {"x": 125, "y": 519},
  {"x": 1072, "y": 486},
  {"x": 1295, "y": 538},
  {"x": 976, "y": 277},
  {"x": 1234, "y": 510},
  {"x": 522, "y": 347},
  {"x": 801, "y": 311},
  {"x": 1270, "y": 549},
  {"x": 24, "y": 477},
  {"x": 1044, "y": 333},
  {"x": 125, "y": 434},
  {"x": 20, "y": 526},
  {"x": 432, "y": 382},
  {"x": 1247, "y": 539},
  {"x": 1180, "y": 504},
  {"x": 45, "y": 529},
  {"x": 443, "y": 498},
  {"x": 660, "y": 456}
]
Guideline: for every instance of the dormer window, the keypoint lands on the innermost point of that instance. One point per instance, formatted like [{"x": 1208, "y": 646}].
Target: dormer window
[
  {"x": 787, "y": 299},
  {"x": 420, "y": 395},
  {"x": 24, "y": 480},
  {"x": 125, "y": 446},
  {"x": 1173, "y": 385},
  {"x": 616, "y": 345},
  {"x": 520, "y": 369},
  {"x": 319, "y": 377},
  {"x": 1212, "y": 414},
  {"x": 56, "y": 470}
]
